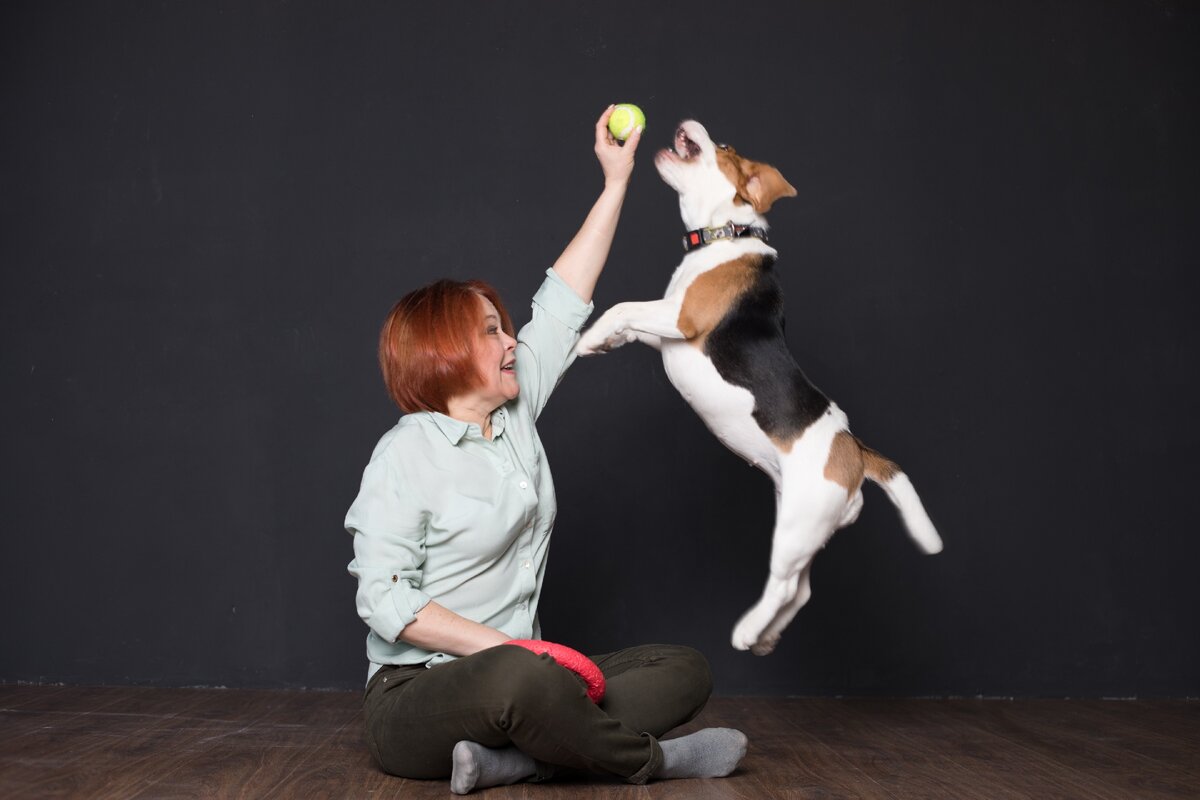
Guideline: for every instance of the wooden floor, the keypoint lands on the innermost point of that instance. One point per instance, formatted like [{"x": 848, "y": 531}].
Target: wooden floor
[{"x": 165, "y": 743}]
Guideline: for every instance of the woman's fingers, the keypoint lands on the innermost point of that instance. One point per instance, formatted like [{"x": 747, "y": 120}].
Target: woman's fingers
[
  {"x": 603, "y": 135},
  {"x": 616, "y": 160}
]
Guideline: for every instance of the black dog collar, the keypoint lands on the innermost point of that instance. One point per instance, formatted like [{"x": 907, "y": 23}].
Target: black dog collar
[{"x": 694, "y": 240}]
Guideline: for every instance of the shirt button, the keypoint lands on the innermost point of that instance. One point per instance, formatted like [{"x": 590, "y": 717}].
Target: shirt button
[
  {"x": 395, "y": 579},
  {"x": 525, "y": 564},
  {"x": 520, "y": 606},
  {"x": 524, "y": 485}
]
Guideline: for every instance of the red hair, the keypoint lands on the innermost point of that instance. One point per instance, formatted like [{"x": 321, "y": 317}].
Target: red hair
[{"x": 427, "y": 345}]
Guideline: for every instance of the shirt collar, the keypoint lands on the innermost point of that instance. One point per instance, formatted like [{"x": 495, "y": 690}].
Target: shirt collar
[{"x": 456, "y": 429}]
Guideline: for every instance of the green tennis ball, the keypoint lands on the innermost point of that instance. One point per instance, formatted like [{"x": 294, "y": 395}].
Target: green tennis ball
[{"x": 625, "y": 119}]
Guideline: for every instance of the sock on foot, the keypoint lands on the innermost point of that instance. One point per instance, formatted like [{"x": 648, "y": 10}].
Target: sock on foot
[
  {"x": 478, "y": 767},
  {"x": 707, "y": 753}
]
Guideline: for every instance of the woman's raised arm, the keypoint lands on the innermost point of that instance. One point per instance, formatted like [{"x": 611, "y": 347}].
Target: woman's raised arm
[{"x": 581, "y": 263}]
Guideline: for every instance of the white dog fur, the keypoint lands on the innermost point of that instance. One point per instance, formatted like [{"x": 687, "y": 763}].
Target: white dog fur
[{"x": 804, "y": 445}]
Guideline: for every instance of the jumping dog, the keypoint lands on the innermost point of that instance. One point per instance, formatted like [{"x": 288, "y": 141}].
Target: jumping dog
[{"x": 720, "y": 331}]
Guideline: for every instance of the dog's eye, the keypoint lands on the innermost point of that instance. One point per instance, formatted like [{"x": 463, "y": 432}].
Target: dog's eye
[{"x": 722, "y": 147}]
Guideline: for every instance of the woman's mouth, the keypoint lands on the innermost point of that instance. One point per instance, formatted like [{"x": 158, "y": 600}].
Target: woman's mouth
[{"x": 509, "y": 367}]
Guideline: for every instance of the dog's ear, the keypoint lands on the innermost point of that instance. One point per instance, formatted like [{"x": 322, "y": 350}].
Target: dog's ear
[{"x": 764, "y": 185}]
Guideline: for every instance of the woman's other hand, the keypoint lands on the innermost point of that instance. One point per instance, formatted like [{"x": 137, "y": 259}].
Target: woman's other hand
[{"x": 615, "y": 159}]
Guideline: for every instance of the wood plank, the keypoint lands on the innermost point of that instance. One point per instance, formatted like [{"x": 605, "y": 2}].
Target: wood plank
[
  {"x": 1078, "y": 755},
  {"x": 944, "y": 755},
  {"x": 796, "y": 748},
  {"x": 89, "y": 750},
  {"x": 16, "y": 695},
  {"x": 1167, "y": 722},
  {"x": 33, "y": 709},
  {"x": 121, "y": 742},
  {"x": 240, "y": 745}
]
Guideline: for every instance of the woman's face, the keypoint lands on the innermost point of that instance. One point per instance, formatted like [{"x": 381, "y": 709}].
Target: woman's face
[{"x": 495, "y": 358}]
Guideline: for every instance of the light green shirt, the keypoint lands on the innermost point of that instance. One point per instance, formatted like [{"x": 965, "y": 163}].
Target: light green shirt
[{"x": 444, "y": 514}]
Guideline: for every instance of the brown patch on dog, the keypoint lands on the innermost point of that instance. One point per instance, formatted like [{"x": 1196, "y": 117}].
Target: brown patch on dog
[
  {"x": 784, "y": 445},
  {"x": 876, "y": 467},
  {"x": 730, "y": 163},
  {"x": 845, "y": 465},
  {"x": 710, "y": 295},
  {"x": 758, "y": 184}
]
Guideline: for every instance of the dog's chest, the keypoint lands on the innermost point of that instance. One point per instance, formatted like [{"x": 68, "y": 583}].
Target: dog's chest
[
  {"x": 734, "y": 366},
  {"x": 727, "y": 409},
  {"x": 698, "y": 262}
]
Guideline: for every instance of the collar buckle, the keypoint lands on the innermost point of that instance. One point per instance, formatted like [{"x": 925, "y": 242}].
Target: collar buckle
[{"x": 694, "y": 240}]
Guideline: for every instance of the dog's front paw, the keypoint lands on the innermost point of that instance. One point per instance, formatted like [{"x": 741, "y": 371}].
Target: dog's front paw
[
  {"x": 599, "y": 340},
  {"x": 591, "y": 344}
]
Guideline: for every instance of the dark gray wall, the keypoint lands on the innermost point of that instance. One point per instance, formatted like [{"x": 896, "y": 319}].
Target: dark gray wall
[{"x": 991, "y": 266}]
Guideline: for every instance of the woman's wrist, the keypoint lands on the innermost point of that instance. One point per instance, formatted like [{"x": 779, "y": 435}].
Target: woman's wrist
[{"x": 616, "y": 184}]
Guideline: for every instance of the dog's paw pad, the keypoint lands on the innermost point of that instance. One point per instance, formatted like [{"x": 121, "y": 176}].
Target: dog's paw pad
[
  {"x": 765, "y": 646},
  {"x": 590, "y": 348}
]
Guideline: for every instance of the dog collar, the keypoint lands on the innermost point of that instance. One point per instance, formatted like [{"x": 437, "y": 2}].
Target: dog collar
[{"x": 694, "y": 240}]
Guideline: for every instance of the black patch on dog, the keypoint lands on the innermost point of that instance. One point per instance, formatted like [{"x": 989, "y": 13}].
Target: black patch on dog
[{"x": 749, "y": 350}]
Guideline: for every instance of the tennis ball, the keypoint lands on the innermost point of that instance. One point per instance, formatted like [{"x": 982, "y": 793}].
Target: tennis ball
[{"x": 626, "y": 118}]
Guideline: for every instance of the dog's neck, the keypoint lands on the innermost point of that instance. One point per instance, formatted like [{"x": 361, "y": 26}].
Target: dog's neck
[
  {"x": 697, "y": 214},
  {"x": 727, "y": 220},
  {"x": 701, "y": 237}
]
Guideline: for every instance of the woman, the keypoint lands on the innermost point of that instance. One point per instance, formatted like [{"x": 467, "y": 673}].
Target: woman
[{"x": 451, "y": 531}]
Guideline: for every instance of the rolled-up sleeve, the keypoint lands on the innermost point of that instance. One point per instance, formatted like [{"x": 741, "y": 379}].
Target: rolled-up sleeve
[
  {"x": 388, "y": 524},
  {"x": 546, "y": 345}
]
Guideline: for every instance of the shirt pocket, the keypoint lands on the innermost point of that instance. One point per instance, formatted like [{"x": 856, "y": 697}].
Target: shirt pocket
[{"x": 533, "y": 464}]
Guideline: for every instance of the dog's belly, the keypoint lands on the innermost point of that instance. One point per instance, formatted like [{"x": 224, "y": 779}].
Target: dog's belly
[{"x": 726, "y": 409}]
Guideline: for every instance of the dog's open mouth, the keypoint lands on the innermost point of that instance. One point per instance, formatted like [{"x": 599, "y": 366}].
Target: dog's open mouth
[{"x": 685, "y": 148}]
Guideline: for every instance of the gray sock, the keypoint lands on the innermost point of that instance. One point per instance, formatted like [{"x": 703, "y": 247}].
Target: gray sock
[
  {"x": 708, "y": 753},
  {"x": 478, "y": 767}
]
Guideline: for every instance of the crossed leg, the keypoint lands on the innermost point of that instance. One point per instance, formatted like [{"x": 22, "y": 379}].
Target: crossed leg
[{"x": 509, "y": 696}]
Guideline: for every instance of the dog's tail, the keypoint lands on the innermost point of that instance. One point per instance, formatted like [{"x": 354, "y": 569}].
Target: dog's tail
[{"x": 900, "y": 491}]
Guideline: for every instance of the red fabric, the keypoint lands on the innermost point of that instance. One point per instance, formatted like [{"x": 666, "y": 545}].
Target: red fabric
[{"x": 573, "y": 660}]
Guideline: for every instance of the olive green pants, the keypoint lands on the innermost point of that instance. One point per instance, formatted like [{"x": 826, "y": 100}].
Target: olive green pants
[{"x": 507, "y": 695}]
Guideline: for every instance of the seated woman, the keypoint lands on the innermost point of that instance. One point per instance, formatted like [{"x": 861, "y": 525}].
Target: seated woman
[{"x": 451, "y": 531}]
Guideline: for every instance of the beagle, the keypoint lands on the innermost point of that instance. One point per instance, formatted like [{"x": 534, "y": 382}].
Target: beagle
[{"x": 720, "y": 331}]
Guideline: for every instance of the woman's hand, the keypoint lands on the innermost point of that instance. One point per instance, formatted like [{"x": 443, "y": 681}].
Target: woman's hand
[
  {"x": 581, "y": 263},
  {"x": 615, "y": 159}
]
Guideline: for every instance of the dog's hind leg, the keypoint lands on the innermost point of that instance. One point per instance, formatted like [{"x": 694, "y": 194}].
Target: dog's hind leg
[
  {"x": 786, "y": 614},
  {"x": 770, "y": 637},
  {"x": 805, "y": 519}
]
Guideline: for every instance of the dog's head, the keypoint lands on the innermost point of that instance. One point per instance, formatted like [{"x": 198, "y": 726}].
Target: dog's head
[{"x": 715, "y": 184}]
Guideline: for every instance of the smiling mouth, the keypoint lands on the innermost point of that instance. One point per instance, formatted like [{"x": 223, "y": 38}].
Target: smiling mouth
[{"x": 509, "y": 367}]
